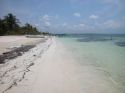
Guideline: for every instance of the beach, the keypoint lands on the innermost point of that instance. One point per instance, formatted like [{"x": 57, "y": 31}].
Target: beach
[
  {"x": 50, "y": 67},
  {"x": 62, "y": 46},
  {"x": 9, "y": 42},
  {"x": 14, "y": 70}
]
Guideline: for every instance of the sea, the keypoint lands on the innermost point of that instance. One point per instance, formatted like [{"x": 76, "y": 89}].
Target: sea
[{"x": 103, "y": 52}]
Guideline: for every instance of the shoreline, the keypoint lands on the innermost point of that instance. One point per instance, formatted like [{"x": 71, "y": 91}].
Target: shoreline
[
  {"x": 13, "y": 71},
  {"x": 53, "y": 69}
]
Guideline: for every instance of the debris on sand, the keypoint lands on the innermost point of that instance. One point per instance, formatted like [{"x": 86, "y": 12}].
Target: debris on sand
[{"x": 14, "y": 53}]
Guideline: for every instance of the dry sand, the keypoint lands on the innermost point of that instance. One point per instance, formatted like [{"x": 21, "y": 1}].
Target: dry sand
[
  {"x": 14, "y": 71},
  {"x": 9, "y": 42},
  {"x": 51, "y": 68}
]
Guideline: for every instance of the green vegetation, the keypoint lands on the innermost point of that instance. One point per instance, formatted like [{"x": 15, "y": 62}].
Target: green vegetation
[{"x": 10, "y": 25}]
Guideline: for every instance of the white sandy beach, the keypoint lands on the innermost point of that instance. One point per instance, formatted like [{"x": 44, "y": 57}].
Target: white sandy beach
[
  {"x": 50, "y": 68},
  {"x": 9, "y": 42}
]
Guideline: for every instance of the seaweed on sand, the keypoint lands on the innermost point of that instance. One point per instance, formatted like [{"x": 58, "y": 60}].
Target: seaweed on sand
[{"x": 15, "y": 53}]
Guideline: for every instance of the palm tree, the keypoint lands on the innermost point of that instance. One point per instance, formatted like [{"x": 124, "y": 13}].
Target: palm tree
[
  {"x": 2, "y": 27},
  {"x": 11, "y": 22},
  {"x": 10, "y": 26}
]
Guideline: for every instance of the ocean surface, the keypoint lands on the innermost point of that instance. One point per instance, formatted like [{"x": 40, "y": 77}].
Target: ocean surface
[{"x": 105, "y": 53}]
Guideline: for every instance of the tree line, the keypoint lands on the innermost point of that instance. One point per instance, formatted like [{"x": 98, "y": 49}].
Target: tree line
[{"x": 10, "y": 25}]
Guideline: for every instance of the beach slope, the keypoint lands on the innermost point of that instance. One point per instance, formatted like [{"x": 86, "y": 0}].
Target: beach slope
[{"x": 51, "y": 68}]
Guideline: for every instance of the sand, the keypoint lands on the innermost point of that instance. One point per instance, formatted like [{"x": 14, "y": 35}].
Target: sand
[
  {"x": 9, "y": 42},
  {"x": 14, "y": 71},
  {"x": 51, "y": 68}
]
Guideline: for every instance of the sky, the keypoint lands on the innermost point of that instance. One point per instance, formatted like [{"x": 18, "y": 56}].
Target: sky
[{"x": 69, "y": 16}]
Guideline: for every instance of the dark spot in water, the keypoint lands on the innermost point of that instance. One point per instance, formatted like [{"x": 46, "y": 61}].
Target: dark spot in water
[
  {"x": 93, "y": 39},
  {"x": 122, "y": 44}
]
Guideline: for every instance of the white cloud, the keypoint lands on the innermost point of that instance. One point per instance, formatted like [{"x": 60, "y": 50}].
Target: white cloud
[
  {"x": 82, "y": 25},
  {"x": 77, "y": 14},
  {"x": 112, "y": 24},
  {"x": 47, "y": 23},
  {"x": 36, "y": 25},
  {"x": 46, "y": 20},
  {"x": 46, "y": 17},
  {"x": 93, "y": 16}
]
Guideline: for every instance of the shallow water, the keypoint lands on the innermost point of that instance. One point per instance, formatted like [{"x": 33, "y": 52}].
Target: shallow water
[{"x": 101, "y": 52}]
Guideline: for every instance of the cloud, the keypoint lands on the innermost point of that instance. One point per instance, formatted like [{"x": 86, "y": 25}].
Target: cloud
[
  {"x": 46, "y": 17},
  {"x": 93, "y": 16},
  {"x": 36, "y": 25},
  {"x": 46, "y": 20},
  {"x": 47, "y": 23},
  {"x": 80, "y": 25},
  {"x": 77, "y": 14},
  {"x": 112, "y": 24}
]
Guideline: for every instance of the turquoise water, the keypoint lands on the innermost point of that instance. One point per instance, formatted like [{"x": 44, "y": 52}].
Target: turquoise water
[{"x": 107, "y": 53}]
